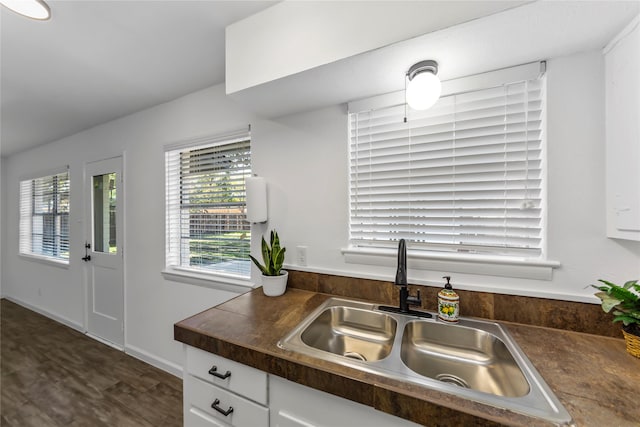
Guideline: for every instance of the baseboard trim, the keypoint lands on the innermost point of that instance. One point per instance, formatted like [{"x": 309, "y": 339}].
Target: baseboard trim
[
  {"x": 151, "y": 359},
  {"x": 46, "y": 313},
  {"x": 104, "y": 341}
]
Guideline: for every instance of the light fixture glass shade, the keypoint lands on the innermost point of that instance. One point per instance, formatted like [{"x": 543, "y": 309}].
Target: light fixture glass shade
[
  {"x": 423, "y": 90},
  {"x": 35, "y": 9}
]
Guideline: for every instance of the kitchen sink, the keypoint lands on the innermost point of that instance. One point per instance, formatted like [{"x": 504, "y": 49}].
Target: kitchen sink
[
  {"x": 351, "y": 332},
  {"x": 467, "y": 357},
  {"x": 474, "y": 359}
]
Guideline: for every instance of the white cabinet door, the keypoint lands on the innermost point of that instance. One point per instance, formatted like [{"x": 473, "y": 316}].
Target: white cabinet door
[
  {"x": 294, "y": 405},
  {"x": 283, "y": 418},
  {"x": 622, "y": 111}
]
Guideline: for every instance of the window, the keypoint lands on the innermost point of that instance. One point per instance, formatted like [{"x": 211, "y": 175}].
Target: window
[
  {"x": 462, "y": 177},
  {"x": 44, "y": 216},
  {"x": 206, "y": 222}
]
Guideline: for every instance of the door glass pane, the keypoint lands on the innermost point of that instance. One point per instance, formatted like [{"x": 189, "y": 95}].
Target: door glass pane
[{"x": 104, "y": 213}]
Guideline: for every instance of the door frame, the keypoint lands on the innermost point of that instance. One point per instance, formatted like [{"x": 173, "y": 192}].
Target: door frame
[{"x": 87, "y": 237}]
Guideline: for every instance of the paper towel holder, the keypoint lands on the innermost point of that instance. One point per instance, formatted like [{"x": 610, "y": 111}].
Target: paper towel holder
[{"x": 256, "y": 199}]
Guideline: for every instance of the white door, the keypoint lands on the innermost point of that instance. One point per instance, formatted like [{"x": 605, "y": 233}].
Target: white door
[{"x": 103, "y": 250}]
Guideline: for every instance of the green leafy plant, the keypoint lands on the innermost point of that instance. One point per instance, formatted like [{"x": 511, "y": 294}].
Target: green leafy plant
[
  {"x": 624, "y": 301},
  {"x": 273, "y": 256}
]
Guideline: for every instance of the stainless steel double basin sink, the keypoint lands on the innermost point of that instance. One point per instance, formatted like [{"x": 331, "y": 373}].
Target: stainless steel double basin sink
[{"x": 473, "y": 359}]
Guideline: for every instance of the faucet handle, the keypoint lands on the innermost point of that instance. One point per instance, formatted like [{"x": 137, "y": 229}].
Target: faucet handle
[{"x": 415, "y": 300}]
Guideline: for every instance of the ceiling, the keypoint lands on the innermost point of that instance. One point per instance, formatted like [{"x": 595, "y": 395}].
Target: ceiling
[
  {"x": 540, "y": 30},
  {"x": 95, "y": 61}
]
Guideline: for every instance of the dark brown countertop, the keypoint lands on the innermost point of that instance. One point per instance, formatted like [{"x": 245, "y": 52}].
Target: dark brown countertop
[{"x": 594, "y": 377}]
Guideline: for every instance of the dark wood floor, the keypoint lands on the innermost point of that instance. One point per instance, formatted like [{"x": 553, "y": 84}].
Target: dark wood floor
[{"x": 52, "y": 375}]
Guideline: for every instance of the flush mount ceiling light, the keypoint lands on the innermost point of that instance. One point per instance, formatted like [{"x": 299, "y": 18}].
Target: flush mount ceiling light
[
  {"x": 35, "y": 9},
  {"x": 423, "y": 88}
]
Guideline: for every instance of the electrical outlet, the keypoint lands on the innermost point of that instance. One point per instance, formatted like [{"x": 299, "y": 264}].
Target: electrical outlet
[{"x": 301, "y": 255}]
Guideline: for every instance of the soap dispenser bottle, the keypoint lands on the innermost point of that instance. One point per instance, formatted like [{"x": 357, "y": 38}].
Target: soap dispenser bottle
[{"x": 448, "y": 303}]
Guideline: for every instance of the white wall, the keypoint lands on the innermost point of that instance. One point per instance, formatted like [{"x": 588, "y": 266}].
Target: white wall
[
  {"x": 576, "y": 180},
  {"x": 291, "y": 36},
  {"x": 313, "y": 210},
  {"x": 304, "y": 159},
  {"x": 2, "y": 223},
  {"x": 153, "y": 304}
]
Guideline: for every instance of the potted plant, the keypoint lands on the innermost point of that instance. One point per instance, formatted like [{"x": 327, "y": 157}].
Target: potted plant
[
  {"x": 274, "y": 278},
  {"x": 625, "y": 302}
]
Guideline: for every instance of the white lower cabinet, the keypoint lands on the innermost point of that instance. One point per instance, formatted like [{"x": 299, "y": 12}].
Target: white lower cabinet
[
  {"x": 295, "y": 405},
  {"x": 221, "y": 392},
  {"x": 247, "y": 397}
]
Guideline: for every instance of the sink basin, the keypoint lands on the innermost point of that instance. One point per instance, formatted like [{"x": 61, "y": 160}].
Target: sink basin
[
  {"x": 352, "y": 332},
  {"x": 466, "y": 357},
  {"x": 474, "y": 359}
]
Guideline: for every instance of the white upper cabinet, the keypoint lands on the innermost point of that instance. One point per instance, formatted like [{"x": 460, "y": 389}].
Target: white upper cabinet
[{"x": 622, "y": 112}]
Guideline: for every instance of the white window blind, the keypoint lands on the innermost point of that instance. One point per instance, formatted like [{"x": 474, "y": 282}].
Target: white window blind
[
  {"x": 44, "y": 216},
  {"x": 206, "y": 222},
  {"x": 463, "y": 176}
]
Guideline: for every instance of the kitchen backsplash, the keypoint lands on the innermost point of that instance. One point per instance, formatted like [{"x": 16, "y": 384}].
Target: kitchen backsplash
[{"x": 568, "y": 315}]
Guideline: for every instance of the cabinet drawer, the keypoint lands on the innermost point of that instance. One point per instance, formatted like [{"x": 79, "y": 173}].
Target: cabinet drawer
[
  {"x": 194, "y": 417},
  {"x": 199, "y": 397},
  {"x": 249, "y": 382}
]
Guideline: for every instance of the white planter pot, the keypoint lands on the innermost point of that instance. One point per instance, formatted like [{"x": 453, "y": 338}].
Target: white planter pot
[{"x": 274, "y": 286}]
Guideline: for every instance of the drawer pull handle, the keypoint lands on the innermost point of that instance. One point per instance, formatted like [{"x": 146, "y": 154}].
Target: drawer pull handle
[
  {"x": 215, "y": 406},
  {"x": 214, "y": 371}
]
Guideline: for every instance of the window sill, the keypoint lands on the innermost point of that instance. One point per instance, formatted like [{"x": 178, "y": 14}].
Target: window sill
[
  {"x": 54, "y": 262},
  {"x": 208, "y": 280},
  {"x": 456, "y": 263}
]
